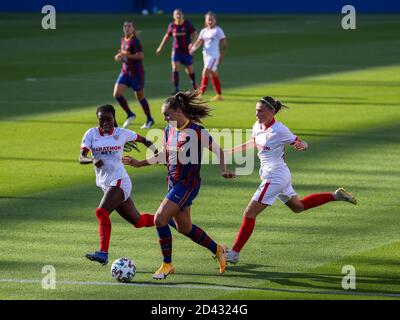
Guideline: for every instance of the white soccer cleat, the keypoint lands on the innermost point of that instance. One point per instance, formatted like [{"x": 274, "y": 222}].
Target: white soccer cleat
[
  {"x": 342, "y": 195},
  {"x": 148, "y": 124},
  {"x": 232, "y": 256},
  {"x": 128, "y": 121}
]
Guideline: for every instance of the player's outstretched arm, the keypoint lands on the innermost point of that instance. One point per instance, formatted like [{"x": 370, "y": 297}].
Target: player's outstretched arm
[
  {"x": 214, "y": 147},
  {"x": 193, "y": 38},
  {"x": 162, "y": 44},
  {"x": 223, "y": 44},
  {"x": 243, "y": 147},
  {"x": 195, "y": 46},
  {"x": 130, "y": 161},
  {"x": 84, "y": 159},
  {"x": 300, "y": 145},
  {"x": 147, "y": 143}
]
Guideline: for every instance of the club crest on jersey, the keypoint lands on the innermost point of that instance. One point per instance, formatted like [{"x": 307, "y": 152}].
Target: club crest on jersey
[{"x": 116, "y": 137}]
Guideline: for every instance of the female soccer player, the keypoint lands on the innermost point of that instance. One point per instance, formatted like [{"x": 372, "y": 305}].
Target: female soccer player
[
  {"x": 270, "y": 137},
  {"x": 132, "y": 75},
  {"x": 106, "y": 142},
  {"x": 214, "y": 49},
  {"x": 182, "y": 151},
  {"x": 183, "y": 34}
]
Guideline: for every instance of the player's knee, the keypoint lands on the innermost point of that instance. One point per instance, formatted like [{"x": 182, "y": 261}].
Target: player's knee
[
  {"x": 249, "y": 214},
  {"x": 159, "y": 221}
]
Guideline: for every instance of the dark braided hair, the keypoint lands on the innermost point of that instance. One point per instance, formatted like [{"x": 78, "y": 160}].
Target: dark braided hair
[
  {"x": 191, "y": 105},
  {"x": 271, "y": 103},
  {"x": 107, "y": 108}
]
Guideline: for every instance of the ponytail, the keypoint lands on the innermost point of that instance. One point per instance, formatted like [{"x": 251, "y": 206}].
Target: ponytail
[
  {"x": 191, "y": 105},
  {"x": 273, "y": 104}
]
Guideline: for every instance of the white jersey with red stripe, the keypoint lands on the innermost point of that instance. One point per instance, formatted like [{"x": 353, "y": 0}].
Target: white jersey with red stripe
[
  {"x": 211, "y": 38},
  {"x": 109, "y": 149},
  {"x": 270, "y": 141}
]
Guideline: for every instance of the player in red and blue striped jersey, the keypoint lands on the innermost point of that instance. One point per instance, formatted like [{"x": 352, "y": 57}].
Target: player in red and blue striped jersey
[
  {"x": 184, "y": 141},
  {"x": 132, "y": 74},
  {"x": 184, "y": 34}
]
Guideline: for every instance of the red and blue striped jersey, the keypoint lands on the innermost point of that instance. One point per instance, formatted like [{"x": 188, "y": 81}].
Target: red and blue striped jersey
[
  {"x": 181, "y": 34},
  {"x": 129, "y": 66},
  {"x": 184, "y": 153}
]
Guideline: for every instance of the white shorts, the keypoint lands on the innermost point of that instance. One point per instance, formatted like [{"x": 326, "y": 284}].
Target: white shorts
[
  {"x": 210, "y": 62},
  {"x": 275, "y": 185},
  {"x": 125, "y": 184}
]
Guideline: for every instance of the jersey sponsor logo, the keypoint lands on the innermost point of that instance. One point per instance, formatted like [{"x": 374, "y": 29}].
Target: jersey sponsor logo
[
  {"x": 107, "y": 149},
  {"x": 183, "y": 33},
  {"x": 263, "y": 148}
]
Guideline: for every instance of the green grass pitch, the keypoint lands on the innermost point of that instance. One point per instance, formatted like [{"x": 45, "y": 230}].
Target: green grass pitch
[{"x": 343, "y": 91}]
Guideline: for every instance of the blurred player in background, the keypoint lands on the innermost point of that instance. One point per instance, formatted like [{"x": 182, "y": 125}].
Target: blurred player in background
[
  {"x": 270, "y": 137},
  {"x": 184, "y": 34},
  {"x": 214, "y": 47},
  {"x": 132, "y": 75},
  {"x": 106, "y": 142},
  {"x": 183, "y": 136}
]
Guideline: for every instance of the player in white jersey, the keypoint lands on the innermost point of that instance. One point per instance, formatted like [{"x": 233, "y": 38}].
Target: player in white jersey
[
  {"x": 107, "y": 142},
  {"x": 214, "y": 44},
  {"x": 270, "y": 137}
]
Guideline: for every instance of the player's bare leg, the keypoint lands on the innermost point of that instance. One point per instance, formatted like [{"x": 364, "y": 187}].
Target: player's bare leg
[
  {"x": 146, "y": 109},
  {"x": 190, "y": 72},
  {"x": 175, "y": 75},
  {"x": 118, "y": 94},
  {"x": 128, "y": 211}
]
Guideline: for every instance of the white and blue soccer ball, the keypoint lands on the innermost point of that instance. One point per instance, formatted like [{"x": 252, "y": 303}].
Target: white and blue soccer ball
[{"x": 123, "y": 270}]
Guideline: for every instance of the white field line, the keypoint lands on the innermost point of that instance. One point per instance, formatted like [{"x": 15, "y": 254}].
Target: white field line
[{"x": 209, "y": 287}]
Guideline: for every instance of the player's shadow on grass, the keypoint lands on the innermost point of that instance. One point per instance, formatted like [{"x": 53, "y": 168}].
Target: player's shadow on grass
[
  {"x": 286, "y": 281},
  {"x": 313, "y": 280}
]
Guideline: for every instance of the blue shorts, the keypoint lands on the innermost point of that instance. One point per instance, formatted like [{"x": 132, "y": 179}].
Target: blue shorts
[
  {"x": 185, "y": 59},
  {"x": 136, "y": 82},
  {"x": 181, "y": 195}
]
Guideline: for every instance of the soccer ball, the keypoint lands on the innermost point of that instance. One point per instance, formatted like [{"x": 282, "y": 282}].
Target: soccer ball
[
  {"x": 123, "y": 270},
  {"x": 145, "y": 12}
]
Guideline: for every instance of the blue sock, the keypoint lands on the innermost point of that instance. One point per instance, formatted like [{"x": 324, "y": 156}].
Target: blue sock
[{"x": 165, "y": 240}]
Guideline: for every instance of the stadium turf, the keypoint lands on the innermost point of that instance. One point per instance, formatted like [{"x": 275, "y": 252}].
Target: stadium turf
[{"x": 343, "y": 91}]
